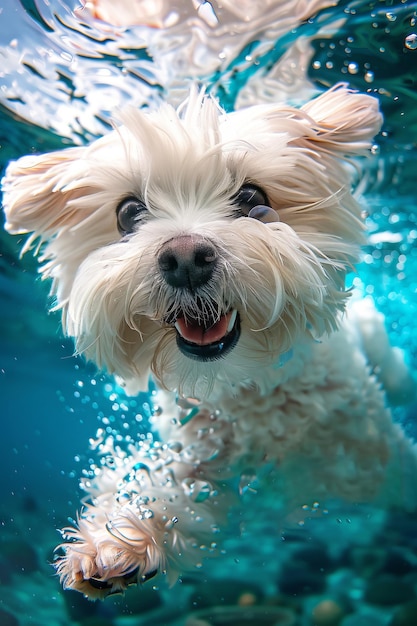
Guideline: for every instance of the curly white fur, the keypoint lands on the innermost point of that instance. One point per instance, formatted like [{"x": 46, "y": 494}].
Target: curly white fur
[{"x": 293, "y": 390}]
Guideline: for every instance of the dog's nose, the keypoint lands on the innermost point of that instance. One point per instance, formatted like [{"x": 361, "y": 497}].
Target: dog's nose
[{"x": 187, "y": 261}]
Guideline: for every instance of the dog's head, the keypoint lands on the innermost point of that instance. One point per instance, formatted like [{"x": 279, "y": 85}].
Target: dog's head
[{"x": 195, "y": 243}]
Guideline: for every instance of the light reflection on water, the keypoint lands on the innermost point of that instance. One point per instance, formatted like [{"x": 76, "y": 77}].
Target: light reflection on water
[{"x": 64, "y": 69}]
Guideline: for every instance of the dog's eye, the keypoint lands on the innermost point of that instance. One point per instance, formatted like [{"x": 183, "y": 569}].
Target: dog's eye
[
  {"x": 253, "y": 202},
  {"x": 250, "y": 196},
  {"x": 128, "y": 213}
]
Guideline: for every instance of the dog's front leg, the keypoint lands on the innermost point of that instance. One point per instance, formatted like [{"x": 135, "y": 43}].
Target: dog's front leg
[{"x": 153, "y": 508}]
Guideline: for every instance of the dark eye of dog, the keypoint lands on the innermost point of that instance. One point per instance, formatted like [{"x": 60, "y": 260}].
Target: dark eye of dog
[
  {"x": 128, "y": 214},
  {"x": 250, "y": 196}
]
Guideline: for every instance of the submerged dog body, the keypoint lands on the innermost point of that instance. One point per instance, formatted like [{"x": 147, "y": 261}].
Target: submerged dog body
[{"x": 210, "y": 251}]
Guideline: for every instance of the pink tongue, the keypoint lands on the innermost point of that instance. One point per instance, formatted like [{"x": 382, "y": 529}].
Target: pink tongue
[{"x": 192, "y": 331}]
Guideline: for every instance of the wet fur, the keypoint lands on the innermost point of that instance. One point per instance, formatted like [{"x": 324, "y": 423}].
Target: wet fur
[{"x": 297, "y": 391}]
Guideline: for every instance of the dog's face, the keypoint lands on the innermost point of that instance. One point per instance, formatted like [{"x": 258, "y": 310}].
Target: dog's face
[{"x": 198, "y": 244}]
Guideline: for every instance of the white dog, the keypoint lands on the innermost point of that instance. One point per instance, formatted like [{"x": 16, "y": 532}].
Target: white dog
[{"x": 210, "y": 250}]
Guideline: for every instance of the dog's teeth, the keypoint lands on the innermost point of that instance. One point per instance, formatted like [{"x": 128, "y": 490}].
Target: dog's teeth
[
  {"x": 177, "y": 326},
  {"x": 232, "y": 320}
]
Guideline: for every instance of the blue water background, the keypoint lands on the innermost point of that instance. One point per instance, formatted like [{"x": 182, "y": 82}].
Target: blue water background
[{"x": 51, "y": 402}]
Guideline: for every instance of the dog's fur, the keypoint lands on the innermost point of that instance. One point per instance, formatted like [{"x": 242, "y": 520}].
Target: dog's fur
[{"x": 288, "y": 384}]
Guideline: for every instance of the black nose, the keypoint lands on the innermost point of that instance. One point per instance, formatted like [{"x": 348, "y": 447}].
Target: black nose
[{"x": 187, "y": 261}]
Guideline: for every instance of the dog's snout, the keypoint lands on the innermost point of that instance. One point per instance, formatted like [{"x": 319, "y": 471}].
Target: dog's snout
[{"x": 187, "y": 261}]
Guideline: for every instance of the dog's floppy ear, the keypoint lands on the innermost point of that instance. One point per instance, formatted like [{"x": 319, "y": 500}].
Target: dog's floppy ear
[
  {"x": 39, "y": 192},
  {"x": 343, "y": 121}
]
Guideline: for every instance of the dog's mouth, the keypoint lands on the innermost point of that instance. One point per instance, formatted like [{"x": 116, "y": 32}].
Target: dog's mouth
[{"x": 207, "y": 338}]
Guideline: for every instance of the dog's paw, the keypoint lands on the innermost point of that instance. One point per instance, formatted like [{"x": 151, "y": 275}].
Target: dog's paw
[{"x": 103, "y": 557}]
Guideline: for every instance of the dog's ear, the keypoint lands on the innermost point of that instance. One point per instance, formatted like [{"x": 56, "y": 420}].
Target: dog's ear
[
  {"x": 39, "y": 194},
  {"x": 343, "y": 121}
]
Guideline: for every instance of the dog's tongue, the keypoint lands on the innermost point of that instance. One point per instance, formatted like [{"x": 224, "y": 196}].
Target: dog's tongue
[{"x": 195, "y": 332}]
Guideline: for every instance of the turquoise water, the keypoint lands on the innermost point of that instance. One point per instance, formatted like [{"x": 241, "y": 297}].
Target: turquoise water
[{"x": 60, "y": 77}]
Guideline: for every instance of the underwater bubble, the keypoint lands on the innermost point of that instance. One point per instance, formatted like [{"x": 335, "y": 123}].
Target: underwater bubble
[
  {"x": 207, "y": 13},
  {"x": 246, "y": 482},
  {"x": 411, "y": 41}
]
